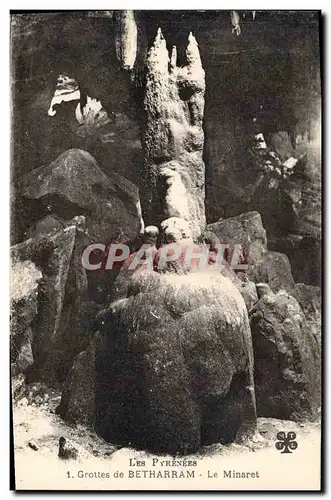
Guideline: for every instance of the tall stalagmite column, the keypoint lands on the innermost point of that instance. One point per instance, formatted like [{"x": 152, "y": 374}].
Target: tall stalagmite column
[{"x": 174, "y": 173}]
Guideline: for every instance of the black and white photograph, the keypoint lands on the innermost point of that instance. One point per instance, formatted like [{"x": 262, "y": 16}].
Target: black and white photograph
[{"x": 165, "y": 250}]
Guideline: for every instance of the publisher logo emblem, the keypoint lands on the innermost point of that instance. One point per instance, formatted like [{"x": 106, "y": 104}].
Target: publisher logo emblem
[{"x": 286, "y": 442}]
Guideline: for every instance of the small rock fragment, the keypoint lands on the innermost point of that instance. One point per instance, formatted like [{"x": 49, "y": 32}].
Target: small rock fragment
[
  {"x": 38, "y": 400},
  {"x": 32, "y": 445},
  {"x": 67, "y": 450}
]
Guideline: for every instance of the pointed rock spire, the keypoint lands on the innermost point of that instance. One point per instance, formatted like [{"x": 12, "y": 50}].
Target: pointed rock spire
[
  {"x": 158, "y": 56},
  {"x": 192, "y": 51}
]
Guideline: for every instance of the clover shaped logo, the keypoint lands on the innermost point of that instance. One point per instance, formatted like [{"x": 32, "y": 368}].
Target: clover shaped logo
[{"x": 286, "y": 442}]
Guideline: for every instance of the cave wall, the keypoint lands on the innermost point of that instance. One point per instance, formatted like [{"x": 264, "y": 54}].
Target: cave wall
[
  {"x": 83, "y": 46},
  {"x": 270, "y": 72}
]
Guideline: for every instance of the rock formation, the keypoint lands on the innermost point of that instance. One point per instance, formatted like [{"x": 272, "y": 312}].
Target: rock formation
[
  {"x": 91, "y": 115},
  {"x": 75, "y": 185},
  {"x": 247, "y": 230},
  {"x": 275, "y": 269},
  {"x": 263, "y": 265},
  {"x": 169, "y": 358},
  {"x": 286, "y": 359},
  {"x": 309, "y": 298},
  {"x": 78, "y": 402},
  {"x": 233, "y": 102},
  {"x": 248, "y": 291},
  {"x": 126, "y": 34},
  {"x": 56, "y": 336},
  {"x": 173, "y": 136},
  {"x": 184, "y": 379},
  {"x": 24, "y": 307}
]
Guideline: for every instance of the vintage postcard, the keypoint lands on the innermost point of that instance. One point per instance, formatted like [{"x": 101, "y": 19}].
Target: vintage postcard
[{"x": 166, "y": 205}]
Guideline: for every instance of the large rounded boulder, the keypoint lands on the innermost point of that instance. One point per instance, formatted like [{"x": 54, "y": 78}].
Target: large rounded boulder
[
  {"x": 176, "y": 368},
  {"x": 74, "y": 185}
]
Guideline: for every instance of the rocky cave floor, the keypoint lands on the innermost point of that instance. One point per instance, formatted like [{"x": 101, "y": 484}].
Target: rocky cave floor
[{"x": 37, "y": 429}]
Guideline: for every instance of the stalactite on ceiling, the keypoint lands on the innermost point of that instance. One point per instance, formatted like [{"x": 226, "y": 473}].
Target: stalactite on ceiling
[
  {"x": 235, "y": 20},
  {"x": 126, "y": 34}
]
